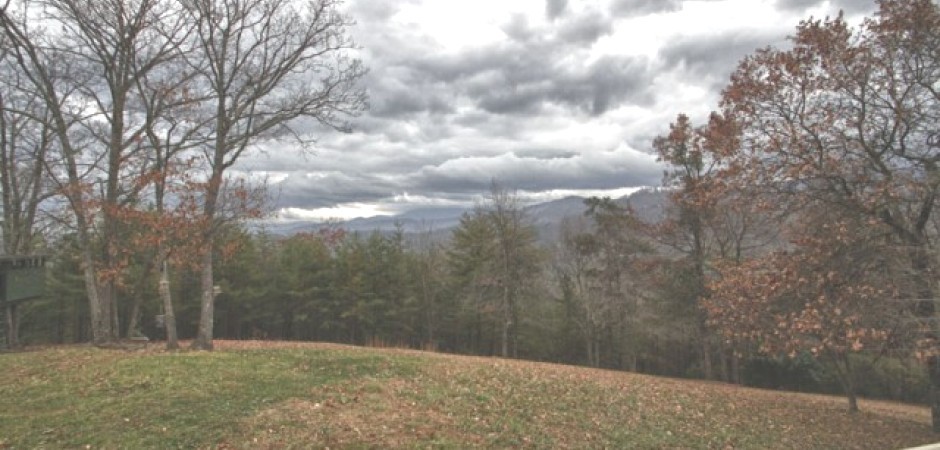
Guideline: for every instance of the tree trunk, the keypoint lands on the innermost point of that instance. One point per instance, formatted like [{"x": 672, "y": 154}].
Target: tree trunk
[
  {"x": 13, "y": 340},
  {"x": 707, "y": 368},
  {"x": 590, "y": 351},
  {"x": 853, "y": 401},
  {"x": 514, "y": 330},
  {"x": 133, "y": 319},
  {"x": 429, "y": 339},
  {"x": 724, "y": 363},
  {"x": 505, "y": 338},
  {"x": 846, "y": 375},
  {"x": 78, "y": 322},
  {"x": 926, "y": 309},
  {"x": 101, "y": 331},
  {"x": 169, "y": 317},
  {"x": 632, "y": 362},
  {"x": 933, "y": 373},
  {"x": 850, "y": 388},
  {"x": 507, "y": 318},
  {"x": 203, "y": 340},
  {"x": 735, "y": 367},
  {"x": 428, "y": 310},
  {"x": 115, "y": 313}
]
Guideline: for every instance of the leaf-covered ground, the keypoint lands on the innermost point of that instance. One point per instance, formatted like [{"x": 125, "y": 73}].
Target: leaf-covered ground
[{"x": 293, "y": 395}]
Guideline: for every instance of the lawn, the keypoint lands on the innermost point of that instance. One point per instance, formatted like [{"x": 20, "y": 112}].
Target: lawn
[{"x": 292, "y": 395}]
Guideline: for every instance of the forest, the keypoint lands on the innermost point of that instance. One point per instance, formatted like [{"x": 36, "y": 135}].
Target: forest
[{"x": 795, "y": 249}]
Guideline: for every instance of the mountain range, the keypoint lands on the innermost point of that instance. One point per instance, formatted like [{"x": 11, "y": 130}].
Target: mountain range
[{"x": 547, "y": 217}]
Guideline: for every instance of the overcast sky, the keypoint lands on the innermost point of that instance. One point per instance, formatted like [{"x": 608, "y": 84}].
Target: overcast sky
[{"x": 550, "y": 97}]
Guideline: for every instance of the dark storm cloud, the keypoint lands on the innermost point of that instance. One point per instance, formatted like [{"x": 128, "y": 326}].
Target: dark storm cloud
[
  {"x": 609, "y": 170},
  {"x": 614, "y": 80},
  {"x": 533, "y": 69},
  {"x": 444, "y": 121},
  {"x": 449, "y": 68},
  {"x": 585, "y": 28},
  {"x": 796, "y": 5},
  {"x": 460, "y": 178},
  {"x": 856, "y": 6},
  {"x": 545, "y": 153},
  {"x": 594, "y": 89},
  {"x": 850, "y": 7},
  {"x": 309, "y": 191},
  {"x": 525, "y": 100},
  {"x": 555, "y": 8},
  {"x": 393, "y": 94},
  {"x": 718, "y": 56},
  {"x": 522, "y": 80},
  {"x": 634, "y": 8}
]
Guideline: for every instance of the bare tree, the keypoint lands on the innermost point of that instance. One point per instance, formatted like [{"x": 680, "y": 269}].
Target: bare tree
[
  {"x": 85, "y": 68},
  {"x": 25, "y": 141},
  {"x": 130, "y": 86},
  {"x": 264, "y": 64}
]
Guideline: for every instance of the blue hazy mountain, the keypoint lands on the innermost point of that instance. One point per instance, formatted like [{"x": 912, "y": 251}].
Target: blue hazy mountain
[{"x": 547, "y": 216}]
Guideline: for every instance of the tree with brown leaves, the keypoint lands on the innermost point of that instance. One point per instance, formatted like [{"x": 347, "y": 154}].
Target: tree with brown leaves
[
  {"x": 829, "y": 294},
  {"x": 708, "y": 221},
  {"x": 846, "y": 120}
]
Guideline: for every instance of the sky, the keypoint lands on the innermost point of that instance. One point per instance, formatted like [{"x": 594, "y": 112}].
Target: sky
[{"x": 550, "y": 98}]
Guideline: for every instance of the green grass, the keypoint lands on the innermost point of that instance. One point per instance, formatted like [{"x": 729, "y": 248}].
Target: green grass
[
  {"x": 243, "y": 396},
  {"x": 103, "y": 398}
]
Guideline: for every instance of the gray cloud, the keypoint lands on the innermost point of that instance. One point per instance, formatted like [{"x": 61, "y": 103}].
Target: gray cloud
[
  {"x": 850, "y": 7},
  {"x": 518, "y": 29},
  {"x": 461, "y": 178},
  {"x": 633, "y": 8},
  {"x": 585, "y": 28},
  {"x": 376, "y": 10},
  {"x": 796, "y": 5},
  {"x": 614, "y": 80},
  {"x": 715, "y": 58},
  {"x": 442, "y": 125},
  {"x": 545, "y": 153},
  {"x": 536, "y": 109},
  {"x": 520, "y": 76},
  {"x": 855, "y": 6},
  {"x": 323, "y": 190},
  {"x": 393, "y": 94},
  {"x": 524, "y": 79},
  {"x": 608, "y": 170},
  {"x": 555, "y": 8}
]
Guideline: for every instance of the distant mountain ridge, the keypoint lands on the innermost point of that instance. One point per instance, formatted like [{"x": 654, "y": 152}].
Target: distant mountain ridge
[{"x": 648, "y": 203}]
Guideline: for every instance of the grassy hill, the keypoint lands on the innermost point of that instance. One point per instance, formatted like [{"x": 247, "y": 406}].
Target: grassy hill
[{"x": 286, "y": 395}]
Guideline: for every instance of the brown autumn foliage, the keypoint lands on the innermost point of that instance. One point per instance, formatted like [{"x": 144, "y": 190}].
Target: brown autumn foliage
[
  {"x": 710, "y": 222},
  {"x": 841, "y": 130},
  {"x": 847, "y": 119},
  {"x": 827, "y": 294}
]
